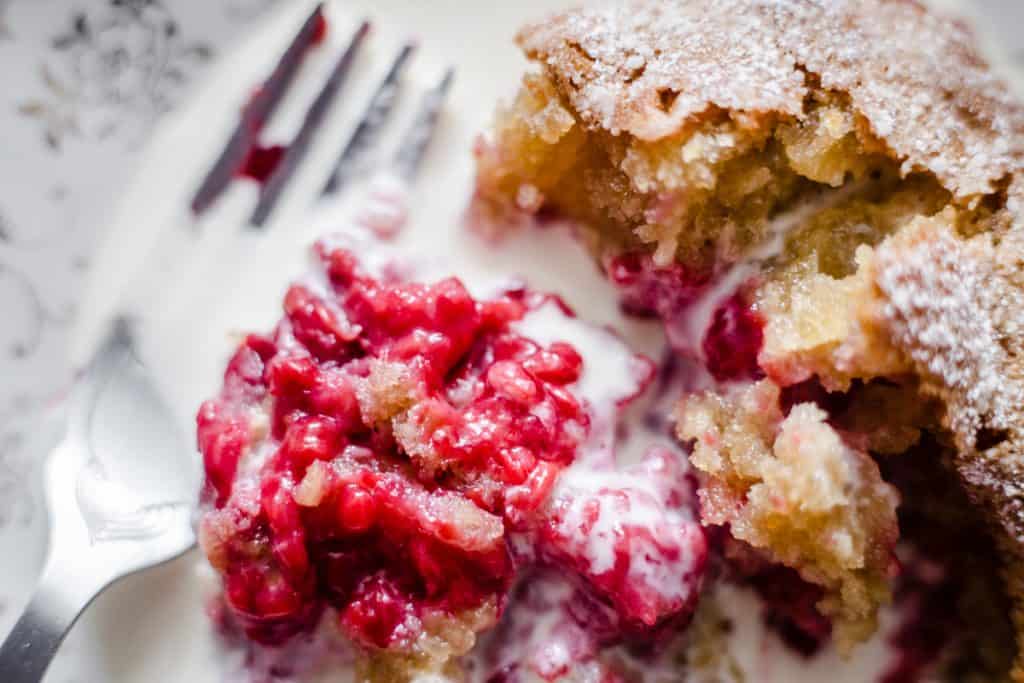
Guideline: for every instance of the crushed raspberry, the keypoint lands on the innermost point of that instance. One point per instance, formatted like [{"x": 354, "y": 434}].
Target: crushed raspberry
[
  {"x": 632, "y": 540},
  {"x": 222, "y": 436},
  {"x": 733, "y": 340},
  {"x": 374, "y": 454},
  {"x": 320, "y": 30},
  {"x": 929, "y": 598},
  {"x": 789, "y": 604},
  {"x": 261, "y": 162},
  {"x": 566, "y": 612},
  {"x": 650, "y": 290},
  {"x": 735, "y": 335},
  {"x": 378, "y": 612},
  {"x": 790, "y": 608},
  {"x": 394, "y": 451}
]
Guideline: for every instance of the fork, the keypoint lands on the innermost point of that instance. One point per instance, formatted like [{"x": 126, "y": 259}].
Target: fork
[
  {"x": 108, "y": 518},
  {"x": 119, "y": 493}
]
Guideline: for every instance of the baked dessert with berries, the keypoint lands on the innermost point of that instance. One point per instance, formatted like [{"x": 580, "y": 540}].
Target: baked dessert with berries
[
  {"x": 823, "y": 203},
  {"x": 396, "y": 457}
]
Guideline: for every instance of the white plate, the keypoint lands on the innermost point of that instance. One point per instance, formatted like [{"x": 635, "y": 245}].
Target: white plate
[{"x": 152, "y": 627}]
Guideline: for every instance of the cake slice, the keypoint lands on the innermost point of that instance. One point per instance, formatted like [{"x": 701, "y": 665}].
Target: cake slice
[{"x": 822, "y": 201}]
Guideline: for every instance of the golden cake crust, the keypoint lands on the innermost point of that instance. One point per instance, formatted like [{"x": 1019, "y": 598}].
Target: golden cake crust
[
  {"x": 951, "y": 304},
  {"x": 647, "y": 68}
]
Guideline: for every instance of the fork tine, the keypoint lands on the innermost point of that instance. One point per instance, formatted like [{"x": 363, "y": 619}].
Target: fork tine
[
  {"x": 296, "y": 151},
  {"x": 414, "y": 144},
  {"x": 370, "y": 124},
  {"x": 257, "y": 111}
]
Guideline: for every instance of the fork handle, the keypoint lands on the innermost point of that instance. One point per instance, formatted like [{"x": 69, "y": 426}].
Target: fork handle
[
  {"x": 51, "y": 612},
  {"x": 26, "y": 654}
]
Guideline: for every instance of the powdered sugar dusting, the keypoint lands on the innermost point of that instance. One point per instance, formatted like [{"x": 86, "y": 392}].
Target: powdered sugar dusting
[
  {"x": 958, "y": 317},
  {"x": 647, "y": 68},
  {"x": 939, "y": 305},
  {"x": 621, "y": 58}
]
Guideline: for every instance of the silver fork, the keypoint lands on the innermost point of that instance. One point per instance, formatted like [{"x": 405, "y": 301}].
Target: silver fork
[
  {"x": 120, "y": 492},
  {"x": 119, "y": 496}
]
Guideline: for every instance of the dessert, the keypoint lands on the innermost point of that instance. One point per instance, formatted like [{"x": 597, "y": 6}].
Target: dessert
[
  {"x": 447, "y": 481},
  {"x": 395, "y": 456},
  {"x": 822, "y": 202}
]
